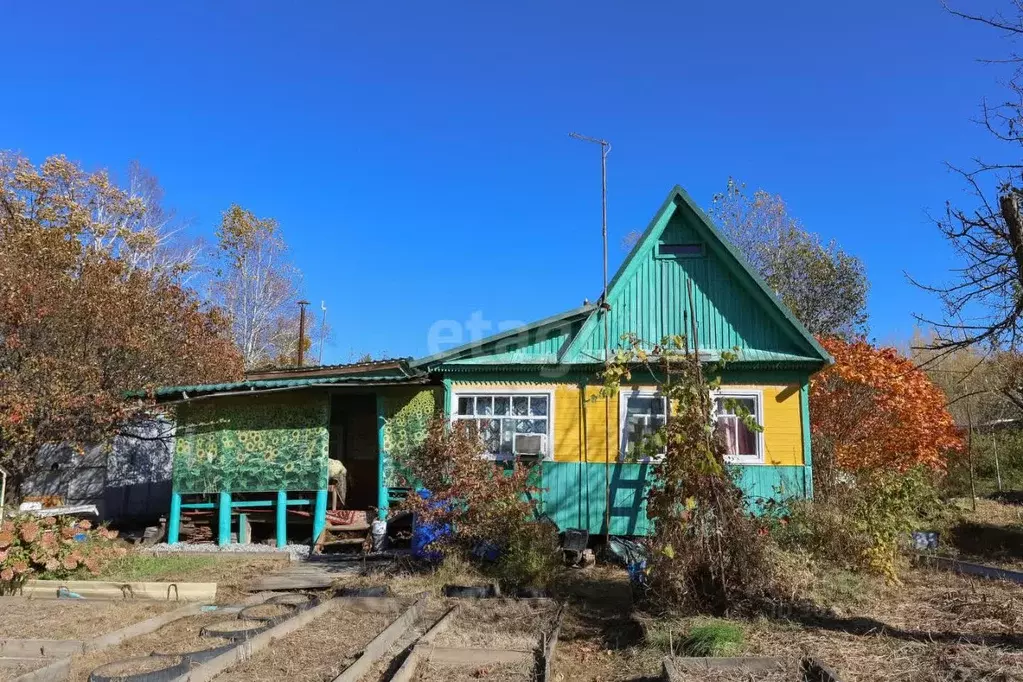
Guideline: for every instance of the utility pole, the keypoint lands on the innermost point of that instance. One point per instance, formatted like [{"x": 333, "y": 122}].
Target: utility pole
[
  {"x": 301, "y": 332},
  {"x": 605, "y": 149}
]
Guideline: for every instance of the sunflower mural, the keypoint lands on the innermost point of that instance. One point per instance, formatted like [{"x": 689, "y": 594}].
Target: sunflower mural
[
  {"x": 406, "y": 419},
  {"x": 252, "y": 444}
]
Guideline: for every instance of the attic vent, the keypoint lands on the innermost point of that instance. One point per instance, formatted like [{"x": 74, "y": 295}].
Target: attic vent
[{"x": 680, "y": 250}]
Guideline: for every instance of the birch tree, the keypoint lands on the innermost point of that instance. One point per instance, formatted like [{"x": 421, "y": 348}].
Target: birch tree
[
  {"x": 824, "y": 287},
  {"x": 258, "y": 286}
]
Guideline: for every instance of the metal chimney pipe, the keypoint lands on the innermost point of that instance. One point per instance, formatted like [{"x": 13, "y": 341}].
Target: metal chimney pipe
[{"x": 301, "y": 332}]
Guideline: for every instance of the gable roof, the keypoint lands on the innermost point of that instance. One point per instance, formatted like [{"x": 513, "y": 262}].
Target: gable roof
[
  {"x": 735, "y": 306},
  {"x": 650, "y": 295}
]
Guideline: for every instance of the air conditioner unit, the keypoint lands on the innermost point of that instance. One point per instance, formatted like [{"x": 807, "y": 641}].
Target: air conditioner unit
[{"x": 530, "y": 444}]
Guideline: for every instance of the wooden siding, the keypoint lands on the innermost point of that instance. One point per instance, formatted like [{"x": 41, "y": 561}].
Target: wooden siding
[
  {"x": 574, "y": 493},
  {"x": 579, "y": 419}
]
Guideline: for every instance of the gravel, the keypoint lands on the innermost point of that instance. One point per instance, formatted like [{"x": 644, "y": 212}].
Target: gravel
[{"x": 294, "y": 550}]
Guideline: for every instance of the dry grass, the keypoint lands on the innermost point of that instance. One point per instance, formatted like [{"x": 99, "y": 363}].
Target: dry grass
[
  {"x": 937, "y": 626},
  {"x": 493, "y": 672},
  {"x": 788, "y": 671},
  {"x": 10, "y": 672},
  {"x": 318, "y": 652},
  {"x": 25, "y": 618},
  {"x": 406, "y": 582},
  {"x": 498, "y": 624},
  {"x": 179, "y": 636}
]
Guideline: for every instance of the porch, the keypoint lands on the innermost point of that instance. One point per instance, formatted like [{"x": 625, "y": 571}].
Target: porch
[{"x": 294, "y": 456}]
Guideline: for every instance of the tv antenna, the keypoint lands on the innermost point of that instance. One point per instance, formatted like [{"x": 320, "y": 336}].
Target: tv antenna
[{"x": 605, "y": 149}]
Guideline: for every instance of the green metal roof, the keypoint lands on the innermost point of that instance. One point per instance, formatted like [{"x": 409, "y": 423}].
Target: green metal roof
[{"x": 379, "y": 372}]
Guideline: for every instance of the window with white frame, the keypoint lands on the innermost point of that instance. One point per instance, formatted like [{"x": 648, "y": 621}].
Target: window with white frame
[
  {"x": 641, "y": 414},
  {"x": 510, "y": 423},
  {"x": 743, "y": 444}
]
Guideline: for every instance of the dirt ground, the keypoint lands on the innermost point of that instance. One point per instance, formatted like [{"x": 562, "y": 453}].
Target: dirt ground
[
  {"x": 25, "y": 618},
  {"x": 935, "y": 627},
  {"x": 317, "y": 652}
]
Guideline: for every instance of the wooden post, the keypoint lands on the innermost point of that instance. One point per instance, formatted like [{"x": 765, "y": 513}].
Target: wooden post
[
  {"x": 319, "y": 514},
  {"x": 282, "y": 518},
  {"x": 998, "y": 468},
  {"x": 224, "y": 519},
  {"x": 382, "y": 499},
  {"x": 174, "y": 519},
  {"x": 244, "y": 530},
  {"x": 969, "y": 453}
]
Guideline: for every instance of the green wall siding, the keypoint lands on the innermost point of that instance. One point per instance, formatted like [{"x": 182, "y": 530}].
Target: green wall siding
[
  {"x": 252, "y": 444},
  {"x": 652, "y": 301},
  {"x": 574, "y": 494}
]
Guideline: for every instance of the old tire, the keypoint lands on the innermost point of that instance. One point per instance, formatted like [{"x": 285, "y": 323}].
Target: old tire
[
  {"x": 236, "y": 629},
  {"x": 382, "y": 591},
  {"x": 173, "y": 668}
]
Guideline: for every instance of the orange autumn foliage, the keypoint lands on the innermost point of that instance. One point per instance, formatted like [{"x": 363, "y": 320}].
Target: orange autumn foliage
[{"x": 874, "y": 409}]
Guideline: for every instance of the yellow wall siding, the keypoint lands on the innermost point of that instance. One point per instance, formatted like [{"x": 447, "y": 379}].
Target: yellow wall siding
[
  {"x": 579, "y": 421},
  {"x": 783, "y": 429}
]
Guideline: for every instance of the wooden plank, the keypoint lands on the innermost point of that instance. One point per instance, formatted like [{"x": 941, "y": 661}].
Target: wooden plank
[
  {"x": 11, "y": 662},
  {"x": 750, "y": 663},
  {"x": 550, "y": 644},
  {"x": 968, "y": 568},
  {"x": 440, "y": 626},
  {"x": 459, "y": 656},
  {"x": 408, "y": 668},
  {"x": 41, "y": 648},
  {"x": 144, "y": 628},
  {"x": 383, "y": 641},
  {"x": 311, "y": 581},
  {"x": 57, "y": 671},
  {"x": 207, "y": 671},
  {"x": 98, "y": 589}
]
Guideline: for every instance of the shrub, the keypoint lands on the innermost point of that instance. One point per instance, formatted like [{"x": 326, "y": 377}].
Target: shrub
[
  {"x": 55, "y": 547},
  {"x": 707, "y": 553},
  {"x": 487, "y": 506},
  {"x": 863, "y": 524}
]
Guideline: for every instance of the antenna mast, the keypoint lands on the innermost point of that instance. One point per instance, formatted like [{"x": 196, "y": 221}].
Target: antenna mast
[
  {"x": 605, "y": 149},
  {"x": 323, "y": 329},
  {"x": 301, "y": 331}
]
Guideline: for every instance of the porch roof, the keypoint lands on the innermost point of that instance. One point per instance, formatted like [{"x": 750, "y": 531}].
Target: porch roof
[{"x": 374, "y": 373}]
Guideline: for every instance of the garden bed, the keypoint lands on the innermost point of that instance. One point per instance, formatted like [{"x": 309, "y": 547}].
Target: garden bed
[
  {"x": 177, "y": 637},
  {"x": 317, "y": 652},
  {"x": 491, "y": 672},
  {"x": 24, "y": 618},
  {"x": 508, "y": 624}
]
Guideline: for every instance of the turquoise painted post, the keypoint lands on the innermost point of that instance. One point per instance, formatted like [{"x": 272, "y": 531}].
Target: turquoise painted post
[
  {"x": 320, "y": 514},
  {"x": 804, "y": 417},
  {"x": 224, "y": 519},
  {"x": 447, "y": 398},
  {"x": 174, "y": 520},
  {"x": 382, "y": 497},
  {"x": 282, "y": 518}
]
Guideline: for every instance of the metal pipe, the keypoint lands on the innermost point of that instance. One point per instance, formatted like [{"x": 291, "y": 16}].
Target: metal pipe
[
  {"x": 301, "y": 332},
  {"x": 3, "y": 492}
]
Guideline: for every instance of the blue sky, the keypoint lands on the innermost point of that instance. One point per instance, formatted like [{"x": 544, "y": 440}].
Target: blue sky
[{"x": 417, "y": 157}]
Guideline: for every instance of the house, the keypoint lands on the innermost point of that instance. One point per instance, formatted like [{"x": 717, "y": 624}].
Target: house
[{"x": 265, "y": 442}]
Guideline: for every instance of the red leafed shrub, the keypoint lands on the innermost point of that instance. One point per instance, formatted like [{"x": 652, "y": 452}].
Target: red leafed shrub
[
  {"x": 485, "y": 503},
  {"x": 53, "y": 546},
  {"x": 875, "y": 409}
]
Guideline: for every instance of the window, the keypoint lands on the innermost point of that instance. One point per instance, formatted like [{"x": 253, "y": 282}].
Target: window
[
  {"x": 641, "y": 415},
  {"x": 744, "y": 446},
  {"x": 510, "y": 423},
  {"x": 679, "y": 250}
]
